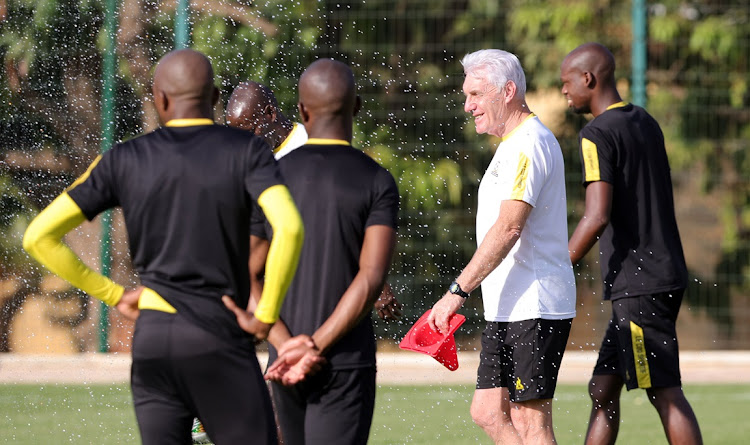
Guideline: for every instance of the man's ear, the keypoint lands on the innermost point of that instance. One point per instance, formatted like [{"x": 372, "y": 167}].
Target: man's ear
[
  {"x": 303, "y": 114},
  {"x": 510, "y": 91},
  {"x": 357, "y": 105},
  {"x": 215, "y": 97},
  {"x": 269, "y": 110},
  {"x": 589, "y": 80},
  {"x": 161, "y": 101}
]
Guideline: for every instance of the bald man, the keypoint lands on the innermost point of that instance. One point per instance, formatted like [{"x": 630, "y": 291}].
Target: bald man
[
  {"x": 253, "y": 107},
  {"x": 630, "y": 210},
  {"x": 349, "y": 205},
  {"x": 185, "y": 191}
]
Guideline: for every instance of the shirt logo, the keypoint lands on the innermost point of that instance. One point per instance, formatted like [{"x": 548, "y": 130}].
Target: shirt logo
[
  {"x": 519, "y": 385},
  {"x": 494, "y": 170}
]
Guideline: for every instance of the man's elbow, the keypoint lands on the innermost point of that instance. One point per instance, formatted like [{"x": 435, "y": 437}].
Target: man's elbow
[
  {"x": 31, "y": 240},
  {"x": 595, "y": 221},
  {"x": 296, "y": 230},
  {"x": 374, "y": 280},
  {"x": 292, "y": 230},
  {"x": 375, "y": 273},
  {"x": 600, "y": 222},
  {"x": 512, "y": 234}
]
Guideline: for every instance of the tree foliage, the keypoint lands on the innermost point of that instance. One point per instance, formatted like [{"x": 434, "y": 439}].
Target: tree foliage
[{"x": 405, "y": 55}]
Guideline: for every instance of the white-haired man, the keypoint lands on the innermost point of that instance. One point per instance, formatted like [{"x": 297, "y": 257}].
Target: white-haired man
[{"x": 521, "y": 262}]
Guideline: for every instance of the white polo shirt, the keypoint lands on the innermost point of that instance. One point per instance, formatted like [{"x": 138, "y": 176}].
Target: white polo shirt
[
  {"x": 296, "y": 138},
  {"x": 536, "y": 279}
]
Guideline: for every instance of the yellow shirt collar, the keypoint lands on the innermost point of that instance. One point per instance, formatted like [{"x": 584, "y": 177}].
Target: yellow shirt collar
[
  {"x": 505, "y": 138},
  {"x": 617, "y": 105},
  {"x": 295, "y": 128},
  {"x": 318, "y": 141},
  {"x": 189, "y": 122}
]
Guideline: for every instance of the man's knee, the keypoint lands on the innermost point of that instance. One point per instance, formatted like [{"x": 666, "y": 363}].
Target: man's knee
[
  {"x": 484, "y": 417},
  {"x": 663, "y": 398},
  {"x": 604, "y": 391},
  {"x": 489, "y": 410},
  {"x": 532, "y": 419}
]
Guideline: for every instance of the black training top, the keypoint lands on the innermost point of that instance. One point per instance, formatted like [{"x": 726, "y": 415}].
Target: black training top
[
  {"x": 339, "y": 191},
  {"x": 640, "y": 250},
  {"x": 186, "y": 194}
]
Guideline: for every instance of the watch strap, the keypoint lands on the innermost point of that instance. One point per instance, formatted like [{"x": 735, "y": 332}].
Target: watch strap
[{"x": 455, "y": 288}]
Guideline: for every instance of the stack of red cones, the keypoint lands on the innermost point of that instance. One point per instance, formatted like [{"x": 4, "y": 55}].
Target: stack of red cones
[{"x": 439, "y": 345}]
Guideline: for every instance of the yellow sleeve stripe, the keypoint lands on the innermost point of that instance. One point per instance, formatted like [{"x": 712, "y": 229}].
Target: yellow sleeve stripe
[
  {"x": 43, "y": 241},
  {"x": 642, "y": 371},
  {"x": 284, "y": 251},
  {"x": 522, "y": 175},
  {"x": 85, "y": 175},
  {"x": 590, "y": 161},
  {"x": 151, "y": 300}
]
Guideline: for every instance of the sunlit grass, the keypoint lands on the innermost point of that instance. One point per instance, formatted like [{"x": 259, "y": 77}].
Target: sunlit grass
[
  {"x": 56, "y": 414},
  {"x": 430, "y": 414},
  {"x": 440, "y": 414}
]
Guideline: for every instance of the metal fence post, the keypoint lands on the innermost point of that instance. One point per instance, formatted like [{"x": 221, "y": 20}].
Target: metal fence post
[
  {"x": 108, "y": 131},
  {"x": 639, "y": 61}
]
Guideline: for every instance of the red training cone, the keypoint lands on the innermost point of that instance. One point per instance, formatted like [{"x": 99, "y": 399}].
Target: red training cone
[{"x": 439, "y": 345}]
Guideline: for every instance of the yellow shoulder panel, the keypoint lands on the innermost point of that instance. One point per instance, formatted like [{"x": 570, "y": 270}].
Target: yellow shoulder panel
[
  {"x": 590, "y": 160},
  {"x": 522, "y": 175}
]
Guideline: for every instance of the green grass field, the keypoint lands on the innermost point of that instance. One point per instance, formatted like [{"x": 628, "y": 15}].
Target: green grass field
[{"x": 56, "y": 414}]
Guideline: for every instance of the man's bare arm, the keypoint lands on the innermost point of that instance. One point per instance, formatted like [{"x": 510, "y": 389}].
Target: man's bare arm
[
  {"x": 257, "y": 266},
  {"x": 499, "y": 240},
  {"x": 595, "y": 220},
  {"x": 358, "y": 300}
]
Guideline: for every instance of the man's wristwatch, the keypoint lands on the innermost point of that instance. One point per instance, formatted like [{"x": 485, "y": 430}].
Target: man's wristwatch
[{"x": 455, "y": 288}]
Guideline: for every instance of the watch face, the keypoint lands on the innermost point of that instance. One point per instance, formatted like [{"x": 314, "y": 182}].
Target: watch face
[{"x": 454, "y": 288}]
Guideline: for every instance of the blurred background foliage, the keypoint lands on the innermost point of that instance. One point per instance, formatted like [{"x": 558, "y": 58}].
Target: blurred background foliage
[{"x": 405, "y": 55}]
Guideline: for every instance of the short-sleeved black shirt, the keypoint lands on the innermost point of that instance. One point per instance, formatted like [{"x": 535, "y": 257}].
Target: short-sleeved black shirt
[
  {"x": 186, "y": 194},
  {"x": 339, "y": 191},
  {"x": 640, "y": 250}
]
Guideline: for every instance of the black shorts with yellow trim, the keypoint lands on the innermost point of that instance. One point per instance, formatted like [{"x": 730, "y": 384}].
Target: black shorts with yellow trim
[
  {"x": 523, "y": 356},
  {"x": 640, "y": 344}
]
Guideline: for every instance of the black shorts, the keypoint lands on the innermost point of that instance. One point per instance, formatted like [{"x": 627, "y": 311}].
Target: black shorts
[
  {"x": 640, "y": 344},
  {"x": 330, "y": 407},
  {"x": 181, "y": 371},
  {"x": 523, "y": 356}
]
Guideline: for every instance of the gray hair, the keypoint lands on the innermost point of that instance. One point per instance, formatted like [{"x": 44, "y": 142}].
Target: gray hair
[{"x": 496, "y": 67}]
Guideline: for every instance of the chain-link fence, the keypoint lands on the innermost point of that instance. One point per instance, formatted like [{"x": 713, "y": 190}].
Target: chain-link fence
[
  {"x": 697, "y": 85},
  {"x": 405, "y": 55}
]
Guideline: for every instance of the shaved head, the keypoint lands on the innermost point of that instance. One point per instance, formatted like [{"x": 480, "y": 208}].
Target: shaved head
[
  {"x": 327, "y": 88},
  {"x": 253, "y": 107},
  {"x": 184, "y": 85},
  {"x": 247, "y": 103},
  {"x": 594, "y": 58},
  {"x": 588, "y": 79},
  {"x": 328, "y": 100}
]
